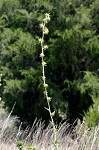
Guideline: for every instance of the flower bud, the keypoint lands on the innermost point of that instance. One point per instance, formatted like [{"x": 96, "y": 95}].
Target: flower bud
[
  {"x": 43, "y": 77},
  {"x": 42, "y": 55},
  {"x": 45, "y": 20},
  {"x": 49, "y": 99},
  {"x": 53, "y": 114},
  {"x": 45, "y": 85},
  {"x": 45, "y": 92},
  {"x": 1, "y": 75}
]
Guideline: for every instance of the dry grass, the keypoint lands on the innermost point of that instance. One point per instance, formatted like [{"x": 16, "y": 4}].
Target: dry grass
[{"x": 42, "y": 139}]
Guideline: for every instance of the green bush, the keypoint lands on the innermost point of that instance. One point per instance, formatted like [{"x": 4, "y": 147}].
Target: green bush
[{"x": 90, "y": 85}]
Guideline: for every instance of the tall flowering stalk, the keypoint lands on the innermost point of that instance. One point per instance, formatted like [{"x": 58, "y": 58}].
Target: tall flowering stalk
[{"x": 45, "y": 31}]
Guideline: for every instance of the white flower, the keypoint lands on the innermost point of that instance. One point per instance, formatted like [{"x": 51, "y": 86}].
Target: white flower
[
  {"x": 45, "y": 30},
  {"x": 44, "y": 63},
  {"x": 42, "y": 55},
  {"x": 45, "y": 47},
  {"x": 47, "y": 16},
  {"x": 40, "y": 40},
  {"x": 41, "y": 25}
]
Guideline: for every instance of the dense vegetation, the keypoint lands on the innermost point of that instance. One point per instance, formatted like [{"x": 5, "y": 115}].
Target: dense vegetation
[{"x": 72, "y": 70}]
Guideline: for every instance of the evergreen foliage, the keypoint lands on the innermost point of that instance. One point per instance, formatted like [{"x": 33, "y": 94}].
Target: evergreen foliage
[{"x": 72, "y": 58}]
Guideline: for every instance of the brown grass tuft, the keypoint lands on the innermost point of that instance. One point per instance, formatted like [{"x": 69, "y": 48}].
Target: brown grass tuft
[{"x": 42, "y": 138}]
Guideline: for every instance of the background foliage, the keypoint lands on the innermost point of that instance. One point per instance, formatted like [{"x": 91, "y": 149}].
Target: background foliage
[{"x": 72, "y": 58}]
